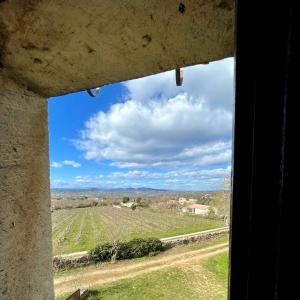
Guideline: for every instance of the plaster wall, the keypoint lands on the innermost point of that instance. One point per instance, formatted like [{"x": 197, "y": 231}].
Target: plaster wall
[{"x": 25, "y": 217}]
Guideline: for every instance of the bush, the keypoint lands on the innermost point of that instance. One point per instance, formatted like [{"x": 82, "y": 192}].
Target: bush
[
  {"x": 126, "y": 199},
  {"x": 211, "y": 213},
  {"x": 126, "y": 250},
  {"x": 139, "y": 248},
  {"x": 104, "y": 252}
]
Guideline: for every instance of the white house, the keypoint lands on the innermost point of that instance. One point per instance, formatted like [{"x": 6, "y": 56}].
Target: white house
[
  {"x": 197, "y": 209},
  {"x": 128, "y": 204}
]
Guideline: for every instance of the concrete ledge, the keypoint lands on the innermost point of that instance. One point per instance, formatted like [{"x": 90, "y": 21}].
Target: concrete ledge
[{"x": 57, "y": 47}]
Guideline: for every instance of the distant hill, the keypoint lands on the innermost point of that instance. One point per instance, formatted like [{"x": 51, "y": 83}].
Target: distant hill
[
  {"x": 142, "y": 189},
  {"x": 113, "y": 190}
]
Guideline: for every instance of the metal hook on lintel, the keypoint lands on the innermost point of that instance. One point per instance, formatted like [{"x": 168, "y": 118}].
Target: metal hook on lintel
[
  {"x": 179, "y": 77},
  {"x": 94, "y": 94}
]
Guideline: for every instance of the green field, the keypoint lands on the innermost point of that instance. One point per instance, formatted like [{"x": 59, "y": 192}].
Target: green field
[
  {"x": 206, "y": 281},
  {"x": 81, "y": 229},
  {"x": 176, "y": 283}
]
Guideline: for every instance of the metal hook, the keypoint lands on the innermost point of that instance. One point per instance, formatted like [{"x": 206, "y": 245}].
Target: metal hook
[
  {"x": 179, "y": 77},
  {"x": 94, "y": 95}
]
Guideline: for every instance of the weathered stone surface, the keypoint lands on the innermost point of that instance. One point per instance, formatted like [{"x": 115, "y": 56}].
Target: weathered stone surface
[
  {"x": 25, "y": 217},
  {"x": 56, "y": 47},
  {"x": 61, "y": 264}
]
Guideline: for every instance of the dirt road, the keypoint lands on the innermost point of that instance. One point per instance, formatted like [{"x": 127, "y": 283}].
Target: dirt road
[{"x": 121, "y": 270}]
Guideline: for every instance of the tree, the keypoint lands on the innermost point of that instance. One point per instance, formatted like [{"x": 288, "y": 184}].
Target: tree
[
  {"x": 211, "y": 213},
  {"x": 126, "y": 199}
]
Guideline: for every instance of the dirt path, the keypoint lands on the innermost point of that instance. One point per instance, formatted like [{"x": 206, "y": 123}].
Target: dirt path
[{"x": 114, "y": 272}]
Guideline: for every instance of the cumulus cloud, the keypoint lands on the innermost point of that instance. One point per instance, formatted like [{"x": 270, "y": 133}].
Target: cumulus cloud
[
  {"x": 164, "y": 126},
  {"x": 157, "y": 134},
  {"x": 83, "y": 179},
  {"x": 130, "y": 174},
  {"x": 209, "y": 173},
  {"x": 212, "y": 82},
  {"x": 56, "y": 165},
  {"x": 172, "y": 176},
  {"x": 71, "y": 163}
]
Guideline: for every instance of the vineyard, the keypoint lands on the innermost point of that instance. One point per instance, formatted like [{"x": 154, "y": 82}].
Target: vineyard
[{"x": 81, "y": 229}]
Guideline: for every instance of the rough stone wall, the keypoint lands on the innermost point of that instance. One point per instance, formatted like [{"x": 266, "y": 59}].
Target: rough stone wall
[
  {"x": 25, "y": 218},
  {"x": 61, "y": 264},
  {"x": 193, "y": 239},
  {"x": 57, "y": 47}
]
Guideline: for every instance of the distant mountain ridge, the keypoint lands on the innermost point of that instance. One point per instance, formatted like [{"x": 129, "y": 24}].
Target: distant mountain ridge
[{"x": 129, "y": 190}]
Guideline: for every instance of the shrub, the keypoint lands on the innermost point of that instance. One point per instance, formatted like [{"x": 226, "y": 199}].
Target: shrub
[
  {"x": 104, "y": 252},
  {"x": 126, "y": 199},
  {"x": 126, "y": 250},
  {"x": 211, "y": 213},
  {"x": 139, "y": 248}
]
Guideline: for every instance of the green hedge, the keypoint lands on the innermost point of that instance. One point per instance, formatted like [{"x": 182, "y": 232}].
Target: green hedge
[{"x": 126, "y": 250}]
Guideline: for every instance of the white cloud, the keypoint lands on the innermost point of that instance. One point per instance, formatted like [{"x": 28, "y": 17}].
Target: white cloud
[
  {"x": 130, "y": 174},
  {"x": 71, "y": 163},
  {"x": 209, "y": 173},
  {"x": 172, "y": 176},
  {"x": 164, "y": 126},
  {"x": 125, "y": 164},
  {"x": 56, "y": 165},
  {"x": 212, "y": 82},
  {"x": 82, "y": 179},
  {"x": 156, "y": 134}
]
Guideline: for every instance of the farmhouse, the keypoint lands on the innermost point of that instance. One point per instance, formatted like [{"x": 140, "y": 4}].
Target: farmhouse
[
  {"x": 128, "y": 204},
  {"x": 197, "y": 209}
]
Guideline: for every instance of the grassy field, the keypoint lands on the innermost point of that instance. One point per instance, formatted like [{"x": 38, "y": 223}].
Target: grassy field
[
  {"x": 176, "y": 283},
  {"x": 83, "y": 228},
  {"x": 201, "y": 279}
]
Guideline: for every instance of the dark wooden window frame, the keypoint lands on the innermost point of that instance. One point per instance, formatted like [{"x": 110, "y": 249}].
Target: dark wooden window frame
[{"x": 264, "y": 158}]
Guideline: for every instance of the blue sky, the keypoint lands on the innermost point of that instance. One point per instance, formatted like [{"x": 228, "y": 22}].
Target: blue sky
[{"x": 146, "y": 132}]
